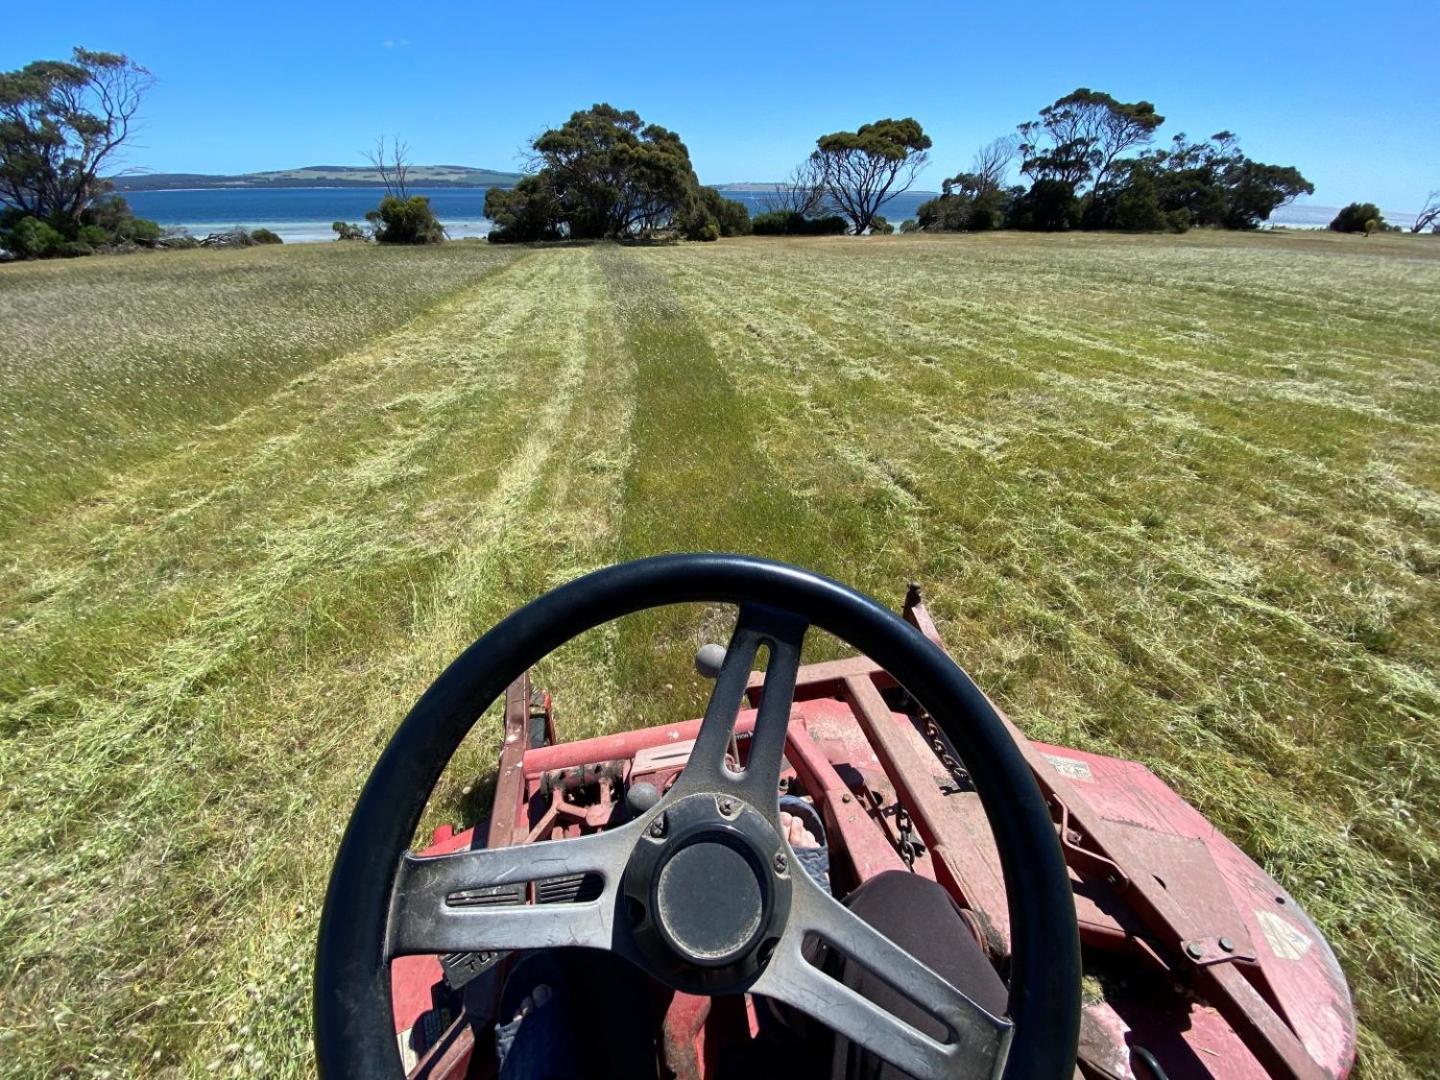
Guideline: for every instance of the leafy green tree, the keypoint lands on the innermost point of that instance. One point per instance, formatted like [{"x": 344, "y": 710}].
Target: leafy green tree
[
  {"x": 1357, "y": 217},
  {"x": 1078, "y": 139},
  {"x": 1217, "y": 185},
  {"x": 61, "y": 124},
  {"x": 1130, "y": 202},
  {"x": 525, "y": 213},
  {"x": 405, "y": 221},
  {"x": 862, "y": 170},
  {"x": 1049, "y": 206},
  {"x": 604, "y": 173}
]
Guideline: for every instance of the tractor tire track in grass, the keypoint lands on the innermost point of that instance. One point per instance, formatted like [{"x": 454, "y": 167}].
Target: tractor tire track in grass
[{"x": 698, "y": 479}]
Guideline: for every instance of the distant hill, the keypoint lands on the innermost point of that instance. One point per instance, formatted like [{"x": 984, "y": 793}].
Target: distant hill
[{"x": 320, "y": 176}]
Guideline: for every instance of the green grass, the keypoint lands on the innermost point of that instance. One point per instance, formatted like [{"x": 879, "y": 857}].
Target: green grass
[{"x": 1176, "y": 499}]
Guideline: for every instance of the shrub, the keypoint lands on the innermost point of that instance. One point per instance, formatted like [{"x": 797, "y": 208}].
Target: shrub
[
  {"x": 967, "y": 208},
  {"x": 406, "y": 221},
  {"x": 30, "y": 238},
  {"x": 731, "y": 216},
  {"x": 790, "y": 223},
  {"x": 529, "y": 211},
  {"x": 909, "y": 225},
  {"x": 265, "y": 236},
  {"x": 947, "y": 213},
  {"x": 880, "y": 227},
  {"x": 104, "y": 223},
  {"x": 92, "y": 236},
  {"x": 346, "y": 231},
  {"x": 699, "y": 225},
  {"x": 1353, "y": 218},
  {"x": 121, "y": 226}
]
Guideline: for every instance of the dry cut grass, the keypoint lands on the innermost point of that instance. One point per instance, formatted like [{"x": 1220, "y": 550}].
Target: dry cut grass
[{"x": 1172, "y": 499}]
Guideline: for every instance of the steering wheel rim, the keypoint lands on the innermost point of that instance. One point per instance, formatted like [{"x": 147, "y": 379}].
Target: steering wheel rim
[{"x": 352, "y": 1007}]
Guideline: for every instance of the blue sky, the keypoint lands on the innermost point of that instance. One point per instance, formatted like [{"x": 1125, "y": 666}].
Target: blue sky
[{"x": 1348, "y": 92}]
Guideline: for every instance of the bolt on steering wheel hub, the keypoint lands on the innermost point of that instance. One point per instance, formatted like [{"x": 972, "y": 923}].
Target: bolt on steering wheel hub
[{"x": 703, "y": 894}]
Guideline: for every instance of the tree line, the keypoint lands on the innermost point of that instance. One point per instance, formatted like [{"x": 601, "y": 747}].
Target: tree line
[
  {"x": 1085, "y": 162},
  {"x": 1089, "y": 166}
]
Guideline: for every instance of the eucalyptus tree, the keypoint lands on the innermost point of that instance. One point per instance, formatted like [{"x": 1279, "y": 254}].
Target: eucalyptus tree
[
  {"x": 63, "y": 124},
  {"x": 862, "y": 170}
]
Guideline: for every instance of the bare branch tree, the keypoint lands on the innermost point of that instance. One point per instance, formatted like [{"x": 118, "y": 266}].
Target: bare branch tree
[
  {"x": 392, "y": 161},
  {"x": 802, "y": 192},
  {"x": 992, "y": 162},
  {"x": 1429, "y": 216}
]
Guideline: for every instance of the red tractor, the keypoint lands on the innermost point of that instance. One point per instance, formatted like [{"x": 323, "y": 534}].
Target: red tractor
[{"x": 1049, "y": 911}]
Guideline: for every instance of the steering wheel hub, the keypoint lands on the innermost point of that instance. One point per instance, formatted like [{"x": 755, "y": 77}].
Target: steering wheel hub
[
  {"x": 709, "y": 901},
  {"x": 704, "y": 895}
]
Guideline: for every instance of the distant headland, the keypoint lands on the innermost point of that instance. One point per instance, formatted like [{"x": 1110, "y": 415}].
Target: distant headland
[{"x": 321, "y": 176}]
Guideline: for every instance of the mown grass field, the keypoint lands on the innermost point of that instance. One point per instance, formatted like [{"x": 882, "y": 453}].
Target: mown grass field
[{"x": 1175, "y": 499}]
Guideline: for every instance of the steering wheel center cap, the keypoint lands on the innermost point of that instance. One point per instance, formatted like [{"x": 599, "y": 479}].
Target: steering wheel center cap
[
  {"x": 709, "y": 900},
  {"x": 705, "y": 897}
]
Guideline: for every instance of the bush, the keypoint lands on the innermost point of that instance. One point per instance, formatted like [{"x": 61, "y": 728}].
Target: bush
[
  {"x": 909, "y": 225},
  {"x": 790, "y": 223},
  {"x": 406, "y": 221},
  {"x": 30, "y": 238},
  {"x": 265, "y": 236},
  {"x": 880, "y": 227},
  {"x": 92, "y": 236},
  {"x": 121, "y": 226},
  {"x": 346, "y": 231},
  {"x": 731, "y": 216},
  {"x": 104, "y": 223},
  {"x": 699, "y": 225},
  {"x": 965, "y": 211},
  {"x": 1357, "y": 217},
  {"x": 527, "y": 212}
]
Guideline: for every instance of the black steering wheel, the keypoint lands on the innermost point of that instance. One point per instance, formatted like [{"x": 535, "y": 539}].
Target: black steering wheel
[{"x": 657, "y": 905}]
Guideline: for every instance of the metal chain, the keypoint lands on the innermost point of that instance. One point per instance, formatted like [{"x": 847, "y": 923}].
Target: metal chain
[{"x": 907, "y": 840}]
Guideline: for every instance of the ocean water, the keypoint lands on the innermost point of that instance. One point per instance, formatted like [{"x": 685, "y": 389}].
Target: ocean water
[
  {"x": 298, "y": 215},
  {"x": 304, "y": 215}
]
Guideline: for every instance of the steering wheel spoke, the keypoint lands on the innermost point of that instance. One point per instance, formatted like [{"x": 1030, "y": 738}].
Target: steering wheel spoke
[
  {"x": 782, "y": 634},
  {"x": 974, "y": 1043},
  {"x": 473, "y": 901}
]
